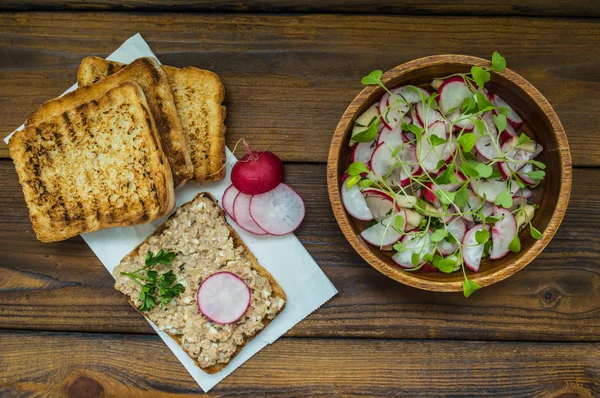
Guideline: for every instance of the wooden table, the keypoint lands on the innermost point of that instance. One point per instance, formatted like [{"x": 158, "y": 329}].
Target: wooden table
[{"x": 290, "y": 68}]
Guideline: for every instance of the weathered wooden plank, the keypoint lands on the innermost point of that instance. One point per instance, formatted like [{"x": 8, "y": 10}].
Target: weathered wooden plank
[
  {"x": 69, "y": 364},
  {"x": 552, "y": 8},
  {"x": 63, "y": 286},
  {"x": 289, "y": 78}
]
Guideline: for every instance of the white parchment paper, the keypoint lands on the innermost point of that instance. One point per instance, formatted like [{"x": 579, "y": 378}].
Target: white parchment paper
[{"x": 305, "y": 285}]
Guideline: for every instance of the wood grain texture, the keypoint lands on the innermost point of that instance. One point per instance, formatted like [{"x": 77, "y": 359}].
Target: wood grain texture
[
  {"x": 553, "y": 8},
  {"x": 289, "y": 78},
  {"x": 552, "y": 194},
  {"x": 63, "y": 286},
  {"x": 77, "y": 365}
]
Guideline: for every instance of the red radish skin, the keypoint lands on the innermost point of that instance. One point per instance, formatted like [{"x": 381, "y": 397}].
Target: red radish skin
[
  {"x": 354, "y": 203},
  {"x": 223, "y": 297},
  {"x": 279, "y": 211},
  {"x": 380, "y": 203},
  {"x": 513, "y": 118},
  {"x": 257, "y": 172},
  {"x": 228, "y": 198},
  {"x": 421, "y": 245},
  {"x": 382, "y": 233},
  {"x": 241, "y": 210}
]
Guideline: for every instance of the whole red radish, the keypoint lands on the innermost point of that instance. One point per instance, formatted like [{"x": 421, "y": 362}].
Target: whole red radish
[{"x": 257, "y": 172}]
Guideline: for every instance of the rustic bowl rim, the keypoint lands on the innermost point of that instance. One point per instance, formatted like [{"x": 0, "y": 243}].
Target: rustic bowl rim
[{"x": 441, "y": 285}]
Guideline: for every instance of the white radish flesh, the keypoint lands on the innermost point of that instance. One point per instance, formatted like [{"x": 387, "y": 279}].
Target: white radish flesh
[
  {"x": 355, "y": 203},
  {"x": 362, "y": 152},
  {"x": 414, "y": 244},
  {"x": 486, "y": 144},
  {"x": 384, "y": 233},
  {"x": 460, "y": 121},
  {"x": 429, "y": 155},
  {"x": 382, "y": 160},
  {"x": 279, "y": 211},
  {"x": 380, "y": 203},
  {"x": 411, "y": 94},
  {"x": 452, "y": 93},
  {"x": 426, "y": 115},
  {"x": 228, "y": 198},
  {"x": 241, "y": 210},
  {"x": 393, "y": 138},
  {"x": 503, "y": 233},
  {"x": 472, "y": 251},
  {"x": 491, "y": 189},
  {"x": 394, "y": 111},
  {"x": 513, "y": 118},
  {"x": 223, "y": 297},
  {"x": 457, "y": 227}
]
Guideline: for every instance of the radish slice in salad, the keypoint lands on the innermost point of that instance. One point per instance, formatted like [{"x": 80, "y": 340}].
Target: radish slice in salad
[
  {"x": 426, "y": 115},
  {"x": 362, "y": 152},
  {"x": 513, "y": 118},
  {"x": 241, "y": 210},
  {"x": 411, "y": 94},
  {"x": 384, "y": 233},
  {"x": 228, "y": 198},
  {"x": 452, "y": 93},
  {"x": 508, "y": 133},
  {"x": 355, "y": 203},
  {"x": 503, "y": 233},
  {"x": 364, "y": 120},
  {"x": 429, "y": 155},
  {"x": 382, "y": 160},
  {"x": 279, "y": 211},
  {"x": 517, "y": 156},
  {"x": 460, "y": 121},
  {"x": 413, "y": 243},
  {"x": 472, "y": 251},
  {"x": 492, "y": 188},
  {"x": 223, "y": 297},
  {"x": 393, "y": 111},
  {"x": 380, "y": 203},
  {"x": 393, "y": 138},
  {"x": 457, "y": 227},
  {"x": 486, "y": 145}
]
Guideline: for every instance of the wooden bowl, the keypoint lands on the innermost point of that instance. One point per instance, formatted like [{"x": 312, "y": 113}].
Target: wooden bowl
[{"x": 540, "y": 122}]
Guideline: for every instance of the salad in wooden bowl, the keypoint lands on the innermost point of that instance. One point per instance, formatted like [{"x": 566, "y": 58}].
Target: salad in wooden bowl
[{"x": 449, "y": 172}]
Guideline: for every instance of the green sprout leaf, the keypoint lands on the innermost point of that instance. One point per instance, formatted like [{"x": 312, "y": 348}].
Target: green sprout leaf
[
  {"x": 416, "y": 130},
  {"x": 468, "y": 105},
  {"x": 399, "y": 223},
  {"x": 415, "y": 258},
  {"x": 351, "y": 181},
  {"x": 480, "y": 75},
  {"x": 446, "y": 197},
  {"x": 369, "y": 134},
  {"x": 482, "y": 236},
  {"x": 504, "y": 199},
  {"x": 538, "y": 164},
  {"x": 502, "y": 110},
  {"x": 515, "y": 244},
  {"x": 372, "y": 78},
  {"x": 446, "y": 176},
  {"x": 483, "y": 103},
  {"x": 470, "y": 287},
  {"x": 461, "y": 197},
  {"x": 523, "y": 139},
  {"x": 438, "y": 235},
  {"x": 498, "y": 62},
  {"x": 469, "y": 168},
  {"x": 537, "y": 175},
  {"x": 446, "y": 265},
  {"x": 467, "y": 141},
  {"x": 366, "y": 183},
  {"x": 534, "y": 232},
  {"x": 500, "y": 122},
  {"x": 398, "y": 246},
  {"x": 484, "y": 170},
  {"x": 357, "y": 168},
  {"x": 434, "y": 140},
  {"x": 479, "y": 126}
]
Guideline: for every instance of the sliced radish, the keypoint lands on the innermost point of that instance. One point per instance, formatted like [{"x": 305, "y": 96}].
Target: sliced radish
[
  {"x": 490, "y": 189},
  {"x": 503, "y": 233},
  {"x": 460, "y": 121},
  {"x": 393, "y": 138},
  {"x": 431, "y": 156},
  {"x": 518, "y": 155},
  {"x": 472, "y": 251},
  {"x": 241, "y": 210},
  {"x": 382, "y": 160},
  {"x": 429, "y": 191},
  {"x": 380, "y": 203},
  {"x": 476, "y": 204},
  {"x": 486, "y": 144},
  {"x": 279, "y": 211},
  {"x": 382, "y": 107},
  {"x": 414, "y": 244},
  {"x": 508, "y": 133},
  {"x": 513, "y": 118},
  {"x": 452, "y": 93},
  {"x": 355, "y": 204},
  {"x": 228, "y": 198},
  {"x": 426, "y": 115},
  {"x": 223, "y": 297},
  {"x": 457, "y": 227},
  {"x": 411, "y": 94},
  {"x": 413, "y": 115},
  {"x": 522, "y": 174},
  {"x": 362, "y": 152},
  {"x": 383, "y": 233},
  {"x": 364, "y": 120},
  {"x": 393, "y": 113}
]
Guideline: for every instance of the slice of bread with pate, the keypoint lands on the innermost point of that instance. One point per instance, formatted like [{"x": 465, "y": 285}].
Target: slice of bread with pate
[
  {"x": 95, "y": 165},
  {"x": 204, "y": 244},
  {"x": 198, "y": 96}
]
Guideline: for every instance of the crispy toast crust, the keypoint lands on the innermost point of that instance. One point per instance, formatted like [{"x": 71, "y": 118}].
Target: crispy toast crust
[
  {"x": 198, "y": 96},
  {"x": 70, "y": 173},
  {"x": 277, "y": 291},
  {"x": 154, "y": 82}
]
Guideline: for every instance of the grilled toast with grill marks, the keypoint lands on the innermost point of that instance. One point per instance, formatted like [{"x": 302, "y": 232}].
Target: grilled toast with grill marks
[
  {"x": 95, "y": 165},
  {"x": 198, "y": 95},
  {"x": 150, "y": 76}
]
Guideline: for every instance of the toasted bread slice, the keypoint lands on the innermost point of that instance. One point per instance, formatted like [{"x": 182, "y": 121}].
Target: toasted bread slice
[
  {"x": 95, "y": 165},
  {"x": 198, "y": 96},
  {"x": 148, "y": 74},
  {"x": 205, "y": 244}
]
